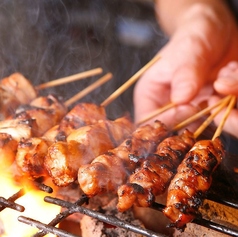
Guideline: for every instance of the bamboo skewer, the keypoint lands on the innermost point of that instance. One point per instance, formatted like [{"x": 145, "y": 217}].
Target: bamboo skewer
[
  {"x": 205, "y": 124},
  {"x": 129, "y": 82},
  {"x": 200, "y": 114},
  {"x": 88, "y": 89},
  {"x": 187, "y": 121},
  {"x": 157, "y": 112},
  {"x": 75, "y": 77},
  {"x": 228, "y": 110}
]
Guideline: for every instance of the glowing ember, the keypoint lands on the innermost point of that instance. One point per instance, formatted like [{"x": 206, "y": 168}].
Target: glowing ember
[{"x": 35, "y": 208}]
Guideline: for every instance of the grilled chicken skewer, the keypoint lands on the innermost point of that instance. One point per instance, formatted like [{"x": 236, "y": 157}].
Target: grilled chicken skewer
[
  {"x": 64, "y": 158},
  {"x": 155, "y": 172},
  {"x": 194, "y": 175},
  {"x": 46, "y": 111},
  {"x": 193, "y": 178},
  {"x": 16, "y": 90},
  {"x": 108, "y": 171},
  {"x": 31, "y": 151},
  {"x": 31, "y": 121}
]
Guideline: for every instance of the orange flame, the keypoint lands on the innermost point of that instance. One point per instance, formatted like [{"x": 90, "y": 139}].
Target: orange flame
[{"x": 35, "y": 208}]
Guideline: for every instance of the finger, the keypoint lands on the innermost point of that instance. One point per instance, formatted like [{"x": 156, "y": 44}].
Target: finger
[
  {"x": 187, "y": 82},
  {"x": 227, "y": 81},
  {"x": 148, "y": 98},
  {"x": 230, "y": 125}
]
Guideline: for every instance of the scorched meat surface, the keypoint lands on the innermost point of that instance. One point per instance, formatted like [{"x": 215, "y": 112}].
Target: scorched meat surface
[
  {"x": 108, "y": 171},
  {"x": 194, "y": 176},
  {"x": 155, "y": 172}
]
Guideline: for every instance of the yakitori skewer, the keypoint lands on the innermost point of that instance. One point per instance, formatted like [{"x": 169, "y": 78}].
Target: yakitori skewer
[
  {"x": 16, "y": 90},
  {"x": 22, "y": 133},
  {"x": 193, "y": 179},
  {"x": 156, "y": 170},
  {"x": 40, "y": 109},
  {"x": 71, "y": 78},
  {"x": 129, "y": 82}
]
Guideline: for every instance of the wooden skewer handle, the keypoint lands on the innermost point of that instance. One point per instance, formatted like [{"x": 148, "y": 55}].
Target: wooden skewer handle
[
  {"x": 129, "y": 82},
  {"x": 205, "y": 124},
  {"x": 200, "y": 114},
  {"x": 228, "y": 110},
  {"x": 157, "y": 112},
  {"x": 75, "y": 77},
  {"x": 88, "y": 89}
]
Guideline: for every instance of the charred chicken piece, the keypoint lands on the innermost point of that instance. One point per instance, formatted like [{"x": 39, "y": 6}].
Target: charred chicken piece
[
  {"x": 110, "y": 170},
  {"x": 52, "y": 103},
  {"x": 47, "y": 112},
  {"x": 8, "y": 149},
  {"x": 64, "y": 158},
  {"x": 82, "y": 114},
  {"x": 194, "y": 176},
  {"x": 155, "y": 172},
  {"x": 14, "y": 90},
  {"x": 19, "y": 128},
  {"x": 30, "y": 121},
  {"x": 30, "y": 156}
]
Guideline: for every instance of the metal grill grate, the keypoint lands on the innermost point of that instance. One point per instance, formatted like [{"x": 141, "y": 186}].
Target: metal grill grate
[{"x": 78, "y": 208}]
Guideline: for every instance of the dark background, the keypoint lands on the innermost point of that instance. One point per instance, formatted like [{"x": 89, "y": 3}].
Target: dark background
[{"x": 50, "y": 39}]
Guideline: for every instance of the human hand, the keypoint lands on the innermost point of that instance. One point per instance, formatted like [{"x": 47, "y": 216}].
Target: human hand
[
  {"x": 189, "y": 62},
  {"x": 227, "y": 84}
]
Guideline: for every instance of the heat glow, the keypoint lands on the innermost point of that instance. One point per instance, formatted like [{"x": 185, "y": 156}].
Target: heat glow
[{"x": 35, "y": 208}]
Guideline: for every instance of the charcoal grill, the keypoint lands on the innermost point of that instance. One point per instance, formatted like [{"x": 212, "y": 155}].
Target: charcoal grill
[
  {"x": 77, "y": 207},
  {"x": 223, "y": 191}
]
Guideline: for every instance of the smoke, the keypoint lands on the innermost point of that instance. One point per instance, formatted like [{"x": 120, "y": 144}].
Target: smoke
[{"x": 48, "y": 39}]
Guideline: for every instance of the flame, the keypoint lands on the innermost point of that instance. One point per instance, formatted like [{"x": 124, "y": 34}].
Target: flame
[{"x": 35, "y": 208}]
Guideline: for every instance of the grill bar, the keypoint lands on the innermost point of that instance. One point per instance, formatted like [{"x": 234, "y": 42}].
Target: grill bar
[
  {"x": 221, "y": 228},
  {"x": 104, "y": 218},
  {"x": 9, "y": 202},
  {"x": 46, "y": 228},
  {"x": 6, "y": 203},
  {"x": 61, "y": 216},
  {"x": 43, "y": 187},
  {"x": 215, "y": 198}
]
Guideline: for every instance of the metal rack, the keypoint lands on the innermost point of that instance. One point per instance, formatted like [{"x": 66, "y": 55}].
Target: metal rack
[{"x": 77, "y": 207}]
